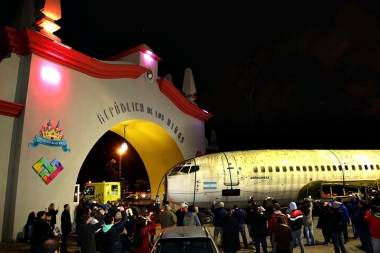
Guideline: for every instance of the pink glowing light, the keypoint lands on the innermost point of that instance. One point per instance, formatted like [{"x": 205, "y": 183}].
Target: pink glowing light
[
  {"x": 148, "y": 56},
  {"x": 50, "y": 75}
]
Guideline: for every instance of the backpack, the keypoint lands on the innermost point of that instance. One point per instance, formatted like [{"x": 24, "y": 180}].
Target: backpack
[
  {"x": 28, "y": 231},
  {"x": 137, "y": 240}
]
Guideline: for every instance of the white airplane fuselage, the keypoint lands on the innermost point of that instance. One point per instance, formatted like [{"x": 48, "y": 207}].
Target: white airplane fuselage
[{"x": 280, "y": 174}]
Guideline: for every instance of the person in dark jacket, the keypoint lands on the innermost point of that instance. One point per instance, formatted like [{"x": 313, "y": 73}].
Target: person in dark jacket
[
  {"x": 86, "y": 234},
  {"x": 335, "y": 219},
  {"x": 323, "y": 222},
  {"x": 65, "y": 227},
  {"x": 180, "y": 214},
  {"x": 362, "y": 226},
  {"x": 295, "y": 223},
  {"x": 352, "y": 208},
  {"x": 109, "y": 235},
  {"x": 240, "y": 217},
  {"x": 259, "y": 229},
  {"x": 283, "y": 236},
  {"x": 219, "y": 213},
  {"x": 41, "y": 232},
  {"x": 230, "y": 240}
]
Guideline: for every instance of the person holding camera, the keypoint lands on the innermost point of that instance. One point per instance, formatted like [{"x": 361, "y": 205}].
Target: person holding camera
[
  {"x": 373, "y": 218},
  {"x": 259, "y": 229},
  {"x": 109, "y": 235}
]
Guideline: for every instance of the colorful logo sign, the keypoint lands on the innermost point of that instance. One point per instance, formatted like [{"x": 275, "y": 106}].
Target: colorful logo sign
[
  {"x": 48, "y": 171},
  {"x": 50, "y": 135}
]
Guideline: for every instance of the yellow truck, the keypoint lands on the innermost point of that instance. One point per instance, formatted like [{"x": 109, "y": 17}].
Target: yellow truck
[{"x": 104, "y": 191}]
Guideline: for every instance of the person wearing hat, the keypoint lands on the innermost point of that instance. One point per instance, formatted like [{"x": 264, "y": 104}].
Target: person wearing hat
[
  {"x": 295, "y": 223},
  {"x": 180, "y": 214},
  {"x": 335, "y": 219}
]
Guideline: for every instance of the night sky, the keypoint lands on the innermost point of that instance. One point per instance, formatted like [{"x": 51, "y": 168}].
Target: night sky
[{"x": 276, "y": 74}]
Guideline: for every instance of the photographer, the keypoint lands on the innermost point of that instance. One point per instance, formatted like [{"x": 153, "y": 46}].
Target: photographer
[{"x": 373, "y": 218}]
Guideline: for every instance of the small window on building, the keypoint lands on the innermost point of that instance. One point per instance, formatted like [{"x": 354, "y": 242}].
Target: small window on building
[
  {"x": 277, "y": 169},
  {"x": 328, "y": 168},
  {"x": 310, "y": 168},
  {"x": 316, "y": 168},
  {"x": 255, "y": 170},
  {"x": 304, "y": 168},
  {"x": 262, "y": 169},
  {"x": 360, "y": 167},
  {"x": 322, "y": 168},
  {"x": 353, "y": 167},
  {"x": 291, "y": 168},
  {"x": 298, "y": 168},
  {"x": 284, "y": 168},
  {"x": 270, "y": 169}
]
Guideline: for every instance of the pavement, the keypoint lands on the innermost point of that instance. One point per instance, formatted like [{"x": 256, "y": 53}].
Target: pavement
[{"x": 353, "y": 246}]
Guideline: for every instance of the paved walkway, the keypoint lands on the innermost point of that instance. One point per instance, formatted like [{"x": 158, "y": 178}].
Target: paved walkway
[{"x": 353, "y": 246}]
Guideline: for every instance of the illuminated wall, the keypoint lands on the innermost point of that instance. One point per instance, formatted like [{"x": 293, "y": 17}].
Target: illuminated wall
[{"x": 70, "y": 101}]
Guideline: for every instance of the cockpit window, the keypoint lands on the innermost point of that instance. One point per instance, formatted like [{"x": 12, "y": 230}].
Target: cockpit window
[{"x": 183, "y": 168}]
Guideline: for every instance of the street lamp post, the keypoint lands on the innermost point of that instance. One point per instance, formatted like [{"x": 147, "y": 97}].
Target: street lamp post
[{"x": 122, "y": 149}]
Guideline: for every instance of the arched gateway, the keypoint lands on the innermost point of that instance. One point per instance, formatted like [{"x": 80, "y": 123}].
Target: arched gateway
[{"x": 55, "y": 103}]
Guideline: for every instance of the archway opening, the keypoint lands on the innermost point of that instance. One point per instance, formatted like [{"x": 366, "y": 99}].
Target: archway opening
[{"x": 151, "y": 153}]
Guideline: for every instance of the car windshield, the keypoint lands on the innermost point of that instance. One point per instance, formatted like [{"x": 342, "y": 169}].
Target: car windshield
[{"x": 185, "y": 245}]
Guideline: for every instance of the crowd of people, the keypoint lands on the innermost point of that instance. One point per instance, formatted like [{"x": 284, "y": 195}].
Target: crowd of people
[
  {"x": 99, "y": 227},
  {"x": 287, "y": 229},
  {"x": 112, "y": 227}
]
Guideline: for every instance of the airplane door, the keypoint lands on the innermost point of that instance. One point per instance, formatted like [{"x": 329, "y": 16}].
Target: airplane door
[{"x": 230, "y": 170}]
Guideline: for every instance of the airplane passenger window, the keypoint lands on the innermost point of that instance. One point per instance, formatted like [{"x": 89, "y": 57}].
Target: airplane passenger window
[
  {"x": 310, "y": 168},
  {"x": 334, "y": 168},
  {"x": 340, "y": 167},
  {"x": 194, "y": 169},
  {"x": 270, "y": 169},
  {"x": 262, "y": 169},
  {"x": 298, "y": 168},
  {"x": 345, "y": 167},
  {"x": 291, "y": 168},
  {"x": 323, "y": 168},
  {"x": 366, "y": 167},
  {"x": 316, "y": 168},
  {"x": 277, "y": 169},
  {"x": 353, "y": 167},
  {"x": 371, "y": 166},
  {"x": 360, "y": 167},
  {"x": 328, "y": 168},
  {"x": 284, "y": 168},
  {"x": 377, "y": 167},
  {"x": 255, "y": 170},
  {"x": 304, "y": 168}
]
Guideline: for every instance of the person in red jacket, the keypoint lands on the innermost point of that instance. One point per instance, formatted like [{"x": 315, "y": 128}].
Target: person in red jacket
[
  {"x": 272, "y": 224},
  {"x": 373, "y": 218},
  {"x": 144, "y": 226}
]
